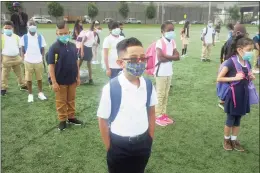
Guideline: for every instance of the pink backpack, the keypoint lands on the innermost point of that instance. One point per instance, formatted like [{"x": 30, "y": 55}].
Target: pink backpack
[{"x": 151, "y": 55}]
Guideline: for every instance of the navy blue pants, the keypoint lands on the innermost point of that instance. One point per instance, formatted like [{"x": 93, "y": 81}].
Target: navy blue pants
[
  {"x": 233, "y": 120},
  {"x": 127, "y": 157},
  {"x": 114, "y": 72}
]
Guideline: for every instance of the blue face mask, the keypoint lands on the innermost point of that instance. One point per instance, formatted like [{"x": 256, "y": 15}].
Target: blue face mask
[
  {"x": 116, "y": 31},
  {"x": 32, "y": 28},
  {"x": 170, "y": 35},
  {"x": 64, "y": 38},
  {"x": 135, "y": 69},
  {"x": 248, "y": 56},
  {"x": 8, "y": 32}
]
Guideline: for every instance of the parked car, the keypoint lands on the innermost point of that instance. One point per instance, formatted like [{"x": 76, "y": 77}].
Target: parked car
[
  {"x": 87, "y": 19},
  {"x": 172, "y": 21},
  {"x": 133, "y": 21},
  {"x": 182, "y": 22},
  {"x": 255, "y": 22},
  {"x": 107, "y": 20},
  {"x": 41, "y": 20},
  {"x": 197, "y": 22}
]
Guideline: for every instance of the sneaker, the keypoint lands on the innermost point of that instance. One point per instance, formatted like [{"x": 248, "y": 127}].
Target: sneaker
[
  {"x": 75, "y": 121},
  {"x": 62, "y": 125},
  {"x": 227, "y": 145},
  {"x": 236, "y": 145},
  {"x": 30, "y": 98},
  {"x": 24, "y": 88},
  {"x": 203, "y": 59},
  {"x": 221, "y": 105},
  {"x": 3, "y": 92},
  {"x": 208, "y": 60},
  {"x": 41, "y": 96},
  {"x": 94, "y": 62},
  {"x": 90, "y": 82},
  {"x": 97, "y": 62},
  {"x": 166, "y": 118},
  {"x": 183, "y": 56},
  {"x": 160, "y": 121}
]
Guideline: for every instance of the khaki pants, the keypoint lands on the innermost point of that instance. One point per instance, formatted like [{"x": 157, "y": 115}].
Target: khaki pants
[
  {"x": 206, "y": 51},
  {"x": 65, "y": 101},
  {"x": 163, "y": 85},
  {"x": 33, "y": 68},
  {"x": 9, "y": 63},
  {"x": 256, "y": 58}
]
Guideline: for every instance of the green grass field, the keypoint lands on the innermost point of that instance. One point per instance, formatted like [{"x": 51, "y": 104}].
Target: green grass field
[{"x": 31, "y": 142}]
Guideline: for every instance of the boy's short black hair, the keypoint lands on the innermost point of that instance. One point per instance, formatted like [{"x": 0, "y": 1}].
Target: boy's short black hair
[
  {"x": 165, "y": 24},
  {"x": 61, "y": 25},
  {"x": 124, "y": 44},
  {"x": 113, "y": 25},
  {"x": 120, "y": 24},
  {"x": 230, "y": 26},
  {"x": 8, "y": 22}
]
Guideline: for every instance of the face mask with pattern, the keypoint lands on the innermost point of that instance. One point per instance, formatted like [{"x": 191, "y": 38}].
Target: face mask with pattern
[{"x": 135, "y": 69}]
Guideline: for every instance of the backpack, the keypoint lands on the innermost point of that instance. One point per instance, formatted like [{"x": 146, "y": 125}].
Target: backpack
[
  {"x": 224, "y": 87},
  {"x": 201, "y": 37},
  {"x": 116, "y": 95},
  {"x": 25, "y": 37},
  {"x": 13, "y": 35},
  {"x": 151, "y": 55}
]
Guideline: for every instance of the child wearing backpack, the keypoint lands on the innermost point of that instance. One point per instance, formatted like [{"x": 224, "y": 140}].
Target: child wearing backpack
[
  {"x": 10, "y": 57},
  {"x": 166, "y": 52},
  {"x": 64, "y": 74},
  {"x": 33, "y": 45},
  {"x": 184, "y": 38},
  {"x": 235, "y": 87},
  {"x": 126, "y": 112},
  {"x": 109, "y": 50}
]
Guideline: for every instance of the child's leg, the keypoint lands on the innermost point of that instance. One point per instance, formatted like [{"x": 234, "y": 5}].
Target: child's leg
[
  {"x": 160, "y": 89},
  {"x": 167, "y": 90},
  {"x": 5, "y": 74},
  {"x": 38, "y": 72},
  {"x": 61, "y": 102},
  {"x": 204, "y": 52},
  {"x": 18, "y": 72},
  {"x": 71, "y": 100},
  {"x": 227, "y": 130},
  {"x": 94, "y": 53},
  {"x": 235, "y": 130},
  {"x": 28, "y": 75},
  {"x": 80, "y": 62},
  {"x": 185, "y": 49},
  {"x": 89, "y": 69}
]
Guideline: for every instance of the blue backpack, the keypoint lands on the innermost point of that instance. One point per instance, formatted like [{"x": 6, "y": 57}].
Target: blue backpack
[
  {"x": 116, "y": 95},
  {"x": 25, "y": 37},
  {"x": 224, "y": 87}
]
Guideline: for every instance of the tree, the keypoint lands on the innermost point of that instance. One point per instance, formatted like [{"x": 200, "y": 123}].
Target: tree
[
  {"x": 92, "y": 10},
  {"x": 123, "y": 9},
  {"x": 150, "y": 12},
  {"x": 234, "y": 13},
  {"x": 9, "y": 6},
  {"x": 55, "y": 9}
]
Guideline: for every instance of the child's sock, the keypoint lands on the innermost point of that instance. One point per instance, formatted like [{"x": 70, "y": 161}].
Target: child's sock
[
  {"x": 233, "y": 138},
  {"x": 227, "y": 137},
  {"x": 182, "y": 52}
]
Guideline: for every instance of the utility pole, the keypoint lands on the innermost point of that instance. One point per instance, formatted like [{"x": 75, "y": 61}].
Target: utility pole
[
  {"x": 158, "y": 12},
  {"x": 163, "y": 12},
  {"x": 209, "y": 10}
]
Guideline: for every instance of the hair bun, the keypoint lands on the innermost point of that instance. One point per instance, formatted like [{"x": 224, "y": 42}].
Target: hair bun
[{"x": 96, "y": 22}]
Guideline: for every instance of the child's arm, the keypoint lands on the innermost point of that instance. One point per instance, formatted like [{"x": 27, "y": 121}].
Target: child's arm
[
  {"x": 82, "y": 46},
  {"x": 152, "y": 121},
  {"x": 104, "y": 130},
  {"x": 223, "y": 72},
  {"x": 51, "y": 61}
]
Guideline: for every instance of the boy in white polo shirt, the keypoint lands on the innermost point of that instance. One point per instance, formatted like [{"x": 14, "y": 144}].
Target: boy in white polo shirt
[
  {"x": 164, "y": 71},
  {"x": 208, "y": 39},
  {"x": 127, "y": 112},
  {"x": 109, "y": 50},
  {"x": 33, "y": 53},
  {"x": 10, "y": 57}
]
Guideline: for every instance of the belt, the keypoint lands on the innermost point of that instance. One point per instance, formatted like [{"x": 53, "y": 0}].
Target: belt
[{"x": 129, "y": 139}]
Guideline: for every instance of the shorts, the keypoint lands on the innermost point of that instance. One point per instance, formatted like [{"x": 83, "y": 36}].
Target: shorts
[
  {"x": 233, "y": 120},
  {"x": 88, "y": 54},
  {"x": 31, "y": 68}
]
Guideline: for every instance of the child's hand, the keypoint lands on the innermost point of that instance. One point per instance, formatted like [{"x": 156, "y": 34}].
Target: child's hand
[
  {"x": 55, "y": 87},
  {"x": 108, "y": 72},
  {"x": 251, "y": 77},
  {"x": 78, "y": 81},
  {"x": 239, "y": 76}
]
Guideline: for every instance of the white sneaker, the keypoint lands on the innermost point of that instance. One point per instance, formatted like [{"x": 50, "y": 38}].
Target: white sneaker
[
  {"x": 97, "y": 62},
  {"x": 41, "y": 96},
  {"x": 183, "y": 56},
  {"x": 30, "y": 98}
]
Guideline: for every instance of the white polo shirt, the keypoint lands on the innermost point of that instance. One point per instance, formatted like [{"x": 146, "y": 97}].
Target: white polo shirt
[
  {"x": 33, "y": 53},
  {"x": 132, "y": 118},
  {"x": 11, "y": 45},
  {"x": 90, "y": 38},
  {"x": 110, "y": 43},
  {"x": 165, "y": 68},
  {"x": 208, "y": 36}
]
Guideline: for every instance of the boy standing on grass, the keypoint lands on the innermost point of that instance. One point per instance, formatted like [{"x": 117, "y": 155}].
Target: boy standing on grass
[
  {"x": 110, "y": 52},
  {"x": 164, "y": 71},
  {"x": 126, "y": 112},
  {"x": 208, "y": 40},
  {"x": 10, "y": 57},
  {"x": 64, "y": 73},
  {"x": 121, "y": 26},
  {"x": 33, "y": 54}
]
